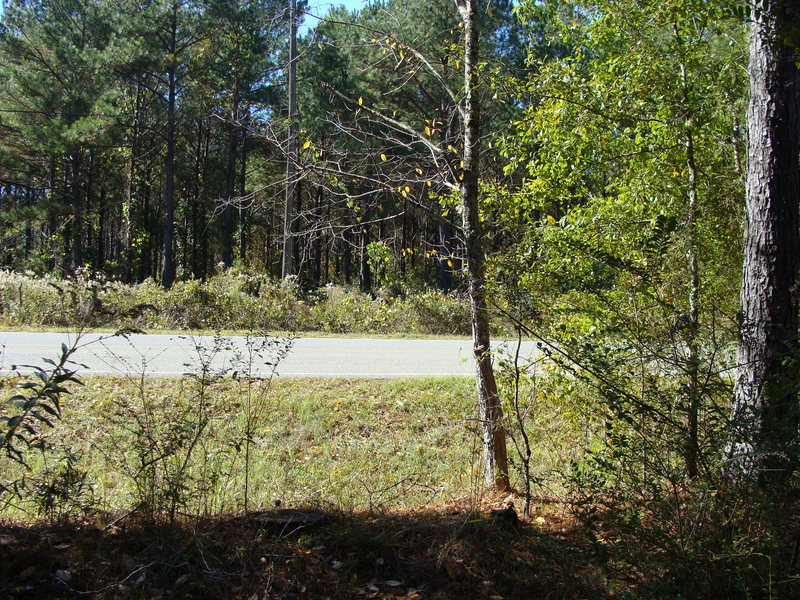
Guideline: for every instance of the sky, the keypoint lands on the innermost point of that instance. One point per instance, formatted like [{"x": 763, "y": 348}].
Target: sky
[
  {"x": 316, "y": 8},
  {"x": 320, "y": 8}
]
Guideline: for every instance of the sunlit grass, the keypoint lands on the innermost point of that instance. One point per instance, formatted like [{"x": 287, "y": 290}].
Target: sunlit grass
[{"x": 346, "y": 444}]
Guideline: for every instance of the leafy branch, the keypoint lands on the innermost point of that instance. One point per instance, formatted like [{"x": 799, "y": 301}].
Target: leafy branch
[{"x": 37, "y": 404}]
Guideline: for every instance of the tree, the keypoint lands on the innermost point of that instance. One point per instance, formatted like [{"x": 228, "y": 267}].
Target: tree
[
  {"x": 623, "y": 238},
  {"x": 59, "y": 57},
  {"x": 495, "y": 459},
  {"x": 288, "y": 261},
  {"x": 764, "y": 420},
  {"x": 404, "y": 119},
  {"x": 176, "y": 36}
]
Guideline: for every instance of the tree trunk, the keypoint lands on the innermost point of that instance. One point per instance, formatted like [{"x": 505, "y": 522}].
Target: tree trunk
[
  {"x": 77, "y": 210},
  {"x": 763, "y": 429},
  {"x": 168, "y": 272},
  {"x": 230, "y": 181},
  {"x": 347, "y": 258},
  {"x": 365, "y": 277},
  {"x": 495, "y": 457},
  {"x": 692, "y": 451},
  {"x": 288, "y": 264},
  {"x": 445, "y": 257},
  {"x": 243, "y": 223},
  {"x": 103, "y": 206},
  {"x": 693, "y": 330},
  {"x": 128, "y": 206}
]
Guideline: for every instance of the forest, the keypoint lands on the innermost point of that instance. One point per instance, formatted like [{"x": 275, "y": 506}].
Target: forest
[{"x": 617, "y": 180}]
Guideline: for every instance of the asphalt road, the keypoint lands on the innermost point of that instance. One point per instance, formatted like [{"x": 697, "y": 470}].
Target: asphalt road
[{"x": 176, "y": 355}]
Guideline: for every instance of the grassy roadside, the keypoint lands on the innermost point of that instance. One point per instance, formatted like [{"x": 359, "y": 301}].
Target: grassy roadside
[
  {"x": 349, "y": 445},
  {"x": 392, "y": 465},
  {"x": 5, "y": 326},
  {"x": 163, "y": 488}
]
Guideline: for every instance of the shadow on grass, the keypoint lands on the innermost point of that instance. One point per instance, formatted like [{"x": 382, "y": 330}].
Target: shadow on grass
[{"x": 432, "y": 555}]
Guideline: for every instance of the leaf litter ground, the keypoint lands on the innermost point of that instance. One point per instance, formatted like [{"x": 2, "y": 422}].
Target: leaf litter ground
[{"x": 454, "y": 552}]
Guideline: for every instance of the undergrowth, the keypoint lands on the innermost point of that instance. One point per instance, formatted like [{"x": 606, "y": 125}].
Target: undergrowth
[
  {"x": 180, "y": 447},
  {"x": 233, "y": 300}
]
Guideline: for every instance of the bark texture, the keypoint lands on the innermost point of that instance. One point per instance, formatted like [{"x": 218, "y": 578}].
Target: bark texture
[
  {"x": 495, "y": 457},
  {"x": 764, "y": 417}
]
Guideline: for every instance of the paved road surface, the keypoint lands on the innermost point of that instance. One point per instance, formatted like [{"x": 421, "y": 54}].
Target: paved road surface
[{"x": 174, "y": 355}]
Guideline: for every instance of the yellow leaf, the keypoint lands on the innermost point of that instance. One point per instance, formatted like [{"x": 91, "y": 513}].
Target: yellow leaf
[
  {"x": 407, "y": 189},
  {"x": 319, "y": 46},
  {"x": 449, "y": 263},
  {"x": 307, "y": 144},
  {"x": 427, "y": 131},
  {"x": 383, "y": 157},
  {"x": 429, "y": 184},
  {"x": 418, "y": 170},
  {"x": 462, "y": 164},
  {"x": 360, "y": 101}
]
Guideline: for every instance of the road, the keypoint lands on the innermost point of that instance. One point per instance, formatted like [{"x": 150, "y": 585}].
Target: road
[{"x": 175, "y": 355}]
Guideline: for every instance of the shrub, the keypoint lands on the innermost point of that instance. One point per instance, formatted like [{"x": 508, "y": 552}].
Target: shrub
[
  {"x": 438, "y": 313},
  {"x": 232, "y": 300}
]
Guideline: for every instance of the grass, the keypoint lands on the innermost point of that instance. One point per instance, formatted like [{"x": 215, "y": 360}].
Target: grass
[
  {"x": 6, "y": 325},
  {"x": 164, "y": 488},
  {"x": 354, "y": 445},
  {"x": 392, "y": 463}
]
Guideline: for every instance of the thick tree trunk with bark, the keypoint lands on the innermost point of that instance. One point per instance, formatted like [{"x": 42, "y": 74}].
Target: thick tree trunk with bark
[
  {"x": 764, "y": 420},
  {"x": 495, "y": 458}
]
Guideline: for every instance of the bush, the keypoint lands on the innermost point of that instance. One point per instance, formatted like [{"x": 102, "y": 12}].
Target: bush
[
  {"x": 232, "y": 300},
  {"x": 438, "y": 313}
]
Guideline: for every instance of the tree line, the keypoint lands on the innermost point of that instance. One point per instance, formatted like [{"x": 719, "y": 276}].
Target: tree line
[{"x": 150, "y": 140}]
